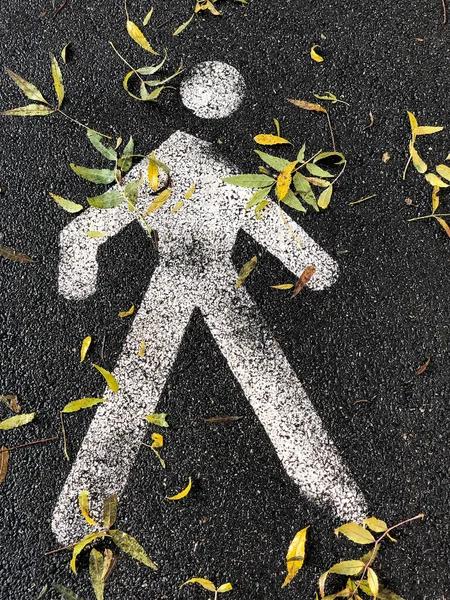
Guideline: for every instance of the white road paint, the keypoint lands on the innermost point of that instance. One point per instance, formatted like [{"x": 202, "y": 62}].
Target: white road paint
[
  {"x": 213, "y": 90},
  {"x": 195, "y": 270}
]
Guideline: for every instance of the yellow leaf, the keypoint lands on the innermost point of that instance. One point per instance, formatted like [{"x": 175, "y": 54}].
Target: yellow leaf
[
  {"x": 159, "y": 201},
  {"x": 375, "y": 524},
  {"x": 131, "y": 546},
  {"x": 96, "y": 234},
  {"x": 64, "y": 52},
  {"x": 434, "y": 199},
  {"x": 4, "y": 457},
  {"x": 16, "y": 421},
  {"x": 205, "y": 583},
  {"x": 148, "y": 16},
  {"x": 110, "y": 511},
  {"x": 414, "y": 124},
  {"x": 190, "y": 191},
  {"x": 372, "y": 580},
  {"x": 157, "y": 419},
  {"x": 419, "y": 164},
  {"x": 295, "y": 556},
  {"x": 324, "y": 199},
  {"x": 139, "y": 37},
  {"x": 314, "y": 54},
  {"x": 158, "y": 440},
  {"x": 83, "y": 503},
  {"x": 82, "y": 544},
  {"x": 284, "y": 180},
  {"x": 225, "y": 587},
  {"x": 308, "y": 105},
  {"x": 29, "y": 89},
  {"x": 245, "y": 271},
  {"x": 57, "y": 80},
  {"x": 424, "y": 130},
  {"x": 184, "y": 493},
  {"x": 127, "y": 313},
  {"x": 30, "y": 110},
  {"x": 177, "y": 206},
  {"x": 109, "y": 378},
  {"x": 355, "y": 533},
  {"x": 283, "y": 286},
  {"x": 85, "y": 347},
  {"x": 348, "y": 567},
  {"x": 386, "y": 157},
  {"x": 96, "y": 570},
  {"x": 318, "y": 182},
  {"x": 141, "y": 351},
  {"x": 152, "y": 173},
  {"x": 67, "y": 205},
  {"x": 435, "y": 181},
  {"x": 443, "y": 223},
  {"x": 267, "y": 139},
  {"x": 76, "y": 405},
  {"x": 444, "y": 171}
]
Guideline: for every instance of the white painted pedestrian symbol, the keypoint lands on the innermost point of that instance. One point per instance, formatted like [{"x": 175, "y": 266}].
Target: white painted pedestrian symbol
[{"x": 195, "y": 271}]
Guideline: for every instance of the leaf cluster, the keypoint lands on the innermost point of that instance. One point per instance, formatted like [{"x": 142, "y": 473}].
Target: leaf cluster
[{"x": 200, "y": 6}]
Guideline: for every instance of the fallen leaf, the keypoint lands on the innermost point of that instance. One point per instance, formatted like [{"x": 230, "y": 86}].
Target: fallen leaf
[
  {"x": 355, "y": 533},
  {"x": 152, "y": 173},
  {"x": 16, "y": 421},
  {"x": 57, "y": 80},
  {"x": 372, "y": 121},
  {"x": 420, "y": 165},
  {"x": 317, "y": 171},
  {"x": 4, "y": 458},
  {"x": 303, "y": 280},
  {"x": 386, "y": 157},
  {"x": 444, "y": 171},
  {"x": 273, "y": 161},
  {"x": 158, "y": 440},
  {"x": 314, "y": 55},
  {"x": 372, "y": 581},
  {"x": 125, "y": 162},
  {"x": 105, "y": 151},
  {"x": 82, "y": 544},
  {"x": 141, "y": 351},
  {"x": 324, "y": 199},
  {"x": 318, "y": 182},
  {"x": 67, "y": 205},
  {"x": 225, "y": 587},
  {"x": 424, "y": 130},
  {"x": 13, "y": 255},
  {"x": 11, "y": 401},
  {"x": 267, "y": 139},
  {"x": 245, "y": 271},
  {"x": 127, "y": 313},
  {"x": 295, "y": 555},
  {"x": 31, "y": 110},
  {"x": 110, "y": 563},
  {"x": 109, "y": 199},
  {"x": 189, "y": 193},
  {"x": 303, "y": 187},
  {"x": 137, "y": 35},
  {"x": 159, "y": 201},
  {"x": 283, "y": 286},
  {"x": 27, "y": 88},
  {"x": 109, "y": 378},
  {"x": 375, "y": 524},
  {"x": 434, "y": 199},
  {"x": 443, "y": 224},
  {"x": 258, "y": 197},
  {"x": 66, "y": 594},
  {"x": 96, "y": 234},
  {"x": 157, "y": 419},
  {"x": 250, "y": 180},
  {"x": 435, "y": 181},
  {"x": 205, "y": 583},
  {"x": 85, "y": 347},
  {"x": 83, "y": 503},
  {"x": 284, "y": 180},
  {"x": 96, "y": 566},
  {"x": 82, "y": 403},
  {"x": 64, "y": 52},
  {"x": 131, "y": 546},
  {"x": 423, "y": 368},
  {"x": 183, "y": 493},
  {"x": 226, "y": 419},
  {"x": 177, "y": 206},
  {"x": 308, "y": 105},
  {"x": 148, "y": 16},
  {"x": 110, "y": 511},
  {"x": 183, "y": 26},
  {"x": 94, "y": 175}
]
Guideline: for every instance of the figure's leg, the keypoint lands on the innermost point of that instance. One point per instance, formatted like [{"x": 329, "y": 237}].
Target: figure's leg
[
  {"x": 109, "y": 449},
  {"x": 279, "y": 401}
]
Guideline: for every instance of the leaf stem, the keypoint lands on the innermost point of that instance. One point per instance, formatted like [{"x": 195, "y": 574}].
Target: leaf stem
[
  {"x": 331, "y": 131},
  {"x": 64, "y": 436},
  {"x": 434, "y": 215},
  {"x": 82, "y": 125},
  {"x": 126, "y": 62},
  {"x": 30, "y": 444},
  {"x": 406, "y": 168}
]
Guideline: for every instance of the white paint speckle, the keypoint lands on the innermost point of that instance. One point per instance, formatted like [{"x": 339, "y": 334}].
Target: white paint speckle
[{"x": 213, "y": 90}]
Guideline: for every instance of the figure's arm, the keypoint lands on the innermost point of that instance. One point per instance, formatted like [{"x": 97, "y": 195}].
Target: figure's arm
[{"x": 281, "y": 236}]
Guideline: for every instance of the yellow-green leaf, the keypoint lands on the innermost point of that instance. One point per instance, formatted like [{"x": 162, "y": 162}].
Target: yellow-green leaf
[
  {"x": 76, "y": 405},
  {"x": 109, "y": 199},
  {"x": 189, "y": 193},
  {"x": 57, "y": 80},
  {"x": 250, "y": 180},
  {"x": 183, "y": 26},
  {"x": 435, "y": 181},
  {"x": 96, "y": 566},
  {"x": 131, "y": 546},
  {"x": 177, "y": 206},
  {"x": 295, "y": 556},
  {"x": 418, "y": 163},
  {"x": 141, "y": 351},
  {"x": 4, "y": 458},
  {"x": 148, "y": 16},
  {"x": 225, "y": 587},
  {"x": 372, "y": 580},
  {"x": 284, "y": 180},
  {"x": 158, "y": 440},
  {"x": 66, "y": 593},
  {"x": 183, "y": 493},
  {"x": 67, "y": 205},
  {"x": 444, "y": 171},
  {"x": 317, "y": 171},
  {"x": 446, "y": 228},
  {"x": 83, "y": 503},
  {"x": 82, "y": 544},
  {"x": 375, "y": 525},
  {"x": 127, "y": 313},
  {"x": 267, "y": 139},
  {"x": 308, "y": 105},
  {"x": 96, "y": 234},
  {"x": 414, "y": 124},
  {"x": 16, "y": 421},
  {"x": 85, "y": 347},
  {"x": 29, "y": 89},
  {"x": 245, "y": 271},
  {"x": 31, "y": 110},
  {"x": 109, "y": 378},
  {"x": 434, "y": 199},
  {"x": 152, "y": 173},
  {"x": 205, "y": 583},
  {"x": 424, "y": 130},
  {"x": 159, "y": 201},
  {"x": 355, "y": 533},
  {"x": 158, "y": 419},
  {"x": 314, "y": 55},
  {"x": 64, "y": 52},
  {"x": 324, "y": 199},
  {"x": 110, "y": 511},
  {"x": 318, "y": 182},
  {"x": 139, "y": 37},
  {"x": 348, "y": 567},
  {"x": 283, "y": 286},
  {"x": 94, "y": 175}
]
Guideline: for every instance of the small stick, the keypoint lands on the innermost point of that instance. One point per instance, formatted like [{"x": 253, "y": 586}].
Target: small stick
[
  {"x": 59, "y": 9},
  {"x": 444, "y": 8},
  {"x": 31, "y": 443},
  {"x": 362, "y": 200},
  {"x": 331, "y": 132}
]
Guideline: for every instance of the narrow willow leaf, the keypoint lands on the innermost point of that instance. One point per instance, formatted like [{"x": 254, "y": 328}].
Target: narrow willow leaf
[
  {"x": 434, "y": 199},
  {"x": 4, "y": 458},
  {"x": 16, "y": 421},
  {"x": 295, "y": 556},
  {"x": 109, "y": 378},
  {"x": 106, "y": 200},
  {"x": 126, "y": 161},
  {"x": 158, "y": 419},
  {"x": 225, "y": 587},
  {"x": 105, "y": 151},
  {"x": 205, "y": 583},
  {"x": 64, "y": 53},
  {"x": 318, "y": 182},
  {"x": 96, "y": 234},
  {"x": 13, "y": 255},
  {"x": 110, "y": 511},
  {"x": 283, "y": 286},
  {"x": 152, "y": 173},
  {"x": 321, "y": 583},
  {"x": 375, "y": 525},
  {"x": 127, "y": 313},
  {"x": 85, "y": 347},
  {"x": 96, "y": 565},
  {"x": 252, "y": 180},
  {"x": 414, "y": 125},
  {"x": 318, "y": 171},
  {"x": 259, "y": 209},
  {"x": 419, "y": 164},
  {"x": 372, "y": 581},
  {"x": 292, "y": 201},
  {"x": 159, "y": 201},
  {"x": 57, "y": 80},
  {"x": 245, "y": 271},
  {"x": 355, "y": 533},
  {"x": 94, "y": 175},
  {"x": 128, "y": 544},
  {"x": 31, "y": 110},
  {"x": 441, "y": 222},
  {"x": 303, "y": 280},
  {"x": 148, "y": 16},
  {"x": 150, "y": 70},
  {"x": 301, "y": 154},
  {"x": 348, "y": 567},
  {"x": 137, "y": 35},
  {"x": 66, "y": 594},
  {"x": 183, "y": 493},
  {"x": 83, "y": 503},
  {"x": 42, "y": 593},
  {"x": 29, "y": 89},
  {"x": 308, "y": 105},
  {"x": 332, "y": 154},
  {"x": 190, "y": 192},
  {"x": 160, "y": 164},
  {"x": 267, "y": 139},
  {"x": 141, "y": 351},
  {"x": 67, "y": 205},
  {"x": 444, "y": 171},
  {"x": 314, "y": 55},
  {"x": 82, "y": 403},
  {"x": 324, "y": 199},
  {"x": 179, "y": 205},
  {"x": 153, "y": 96},
  {"x": 222, "y": 420},
  {"x": 110, "y": 562},
  {"x": 424, "y": 130},
  {"x": 435, "y": 181},
  {"x": 303, "y": 187},
  {"x": 257, "y": 197},
  {"x": 183, "y": 26},
  {"x": 273, "y": 161},
  {"x": 82, "y": 544},
  {"x": 284, "y": 180}
]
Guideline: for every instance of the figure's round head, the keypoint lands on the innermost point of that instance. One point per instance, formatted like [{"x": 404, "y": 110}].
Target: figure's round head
[{"x": 213, "y": 90}]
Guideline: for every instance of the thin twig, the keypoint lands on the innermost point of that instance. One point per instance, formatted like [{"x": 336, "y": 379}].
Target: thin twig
[
  {"x": 30, "y": 444},
  {"x": 331, "y": 132},
  {"x": 444, "y": 9},
  {"x": 59, "y": 9},
  {"x": 60, "y": 549},
  {"x": 64, "y": 436},
  {"x": 362, "y": 200},
  {"x": 434, "y": 215}
]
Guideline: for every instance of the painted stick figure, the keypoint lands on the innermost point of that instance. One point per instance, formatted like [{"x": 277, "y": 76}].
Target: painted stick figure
[{"x": 195, "y": 271}]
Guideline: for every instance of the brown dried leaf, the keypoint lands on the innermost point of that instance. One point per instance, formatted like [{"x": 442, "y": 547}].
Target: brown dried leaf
[
  {"x": 308, "y": 105},
  {"x": 303, "y": 280},
  {"x": 226, "y": 419},
  {"x": 4, "y": 457},
  {"x": 11, "y": 254},
  {"x": 423, "y": 368}
]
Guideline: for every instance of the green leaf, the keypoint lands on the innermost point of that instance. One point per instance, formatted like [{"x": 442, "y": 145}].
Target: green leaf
[
  {"x": 131, "y": 191},
  {"x": 105, "y": 151},
  {"x": 110, "y": 511},
  {"x": 385, "y": 594},
  {"x": 148, "y": 16},
  {"x": 67, "y": 205},
  {"x": 96, "y": 563},
  {"x": 348, "y": 567},
  {"x": 94, "y": 175},
  {"x": 325, "y": 197},
  {"x": 252, "y": 180},
  {"x": 154, "y": 95},
  {"x": 158, "y": 419},
  {"x": 125, "y": 162},
  {"x": 375, "y": 525},
  {"x": 57, "y": 80},
  {"x": 109, "y": 378},
  {"x": 303, "y": 187},
  {"x": 153, "y": 68},
  {"x": 324, "y": 155},
  {"x": 258, "y": 196},
  {"x": 31, "y": 110},
  {"x": 317, "y": 171},
  {"x": 82, "y": 544},
  {"x": 183, "y": 26},
  {"x": 301, "y": 154},
  {"x": 355, "y": 533},
  {"x": 273, "y": 161},
  {"x": 128, "y": 544},
  {"x": 261, "y": 206},
  {"x": 16, "y": 421},
  {"x": 66, "y": 594},
  {"x": 27, "y": 88},
  {"x": 109, "y": 199},
  {"x": 291, "y": 200},
  {"x": 245, "y": 271},
  {"x": 77, "y": 405},
  {"x": 372, "y": 581}
]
